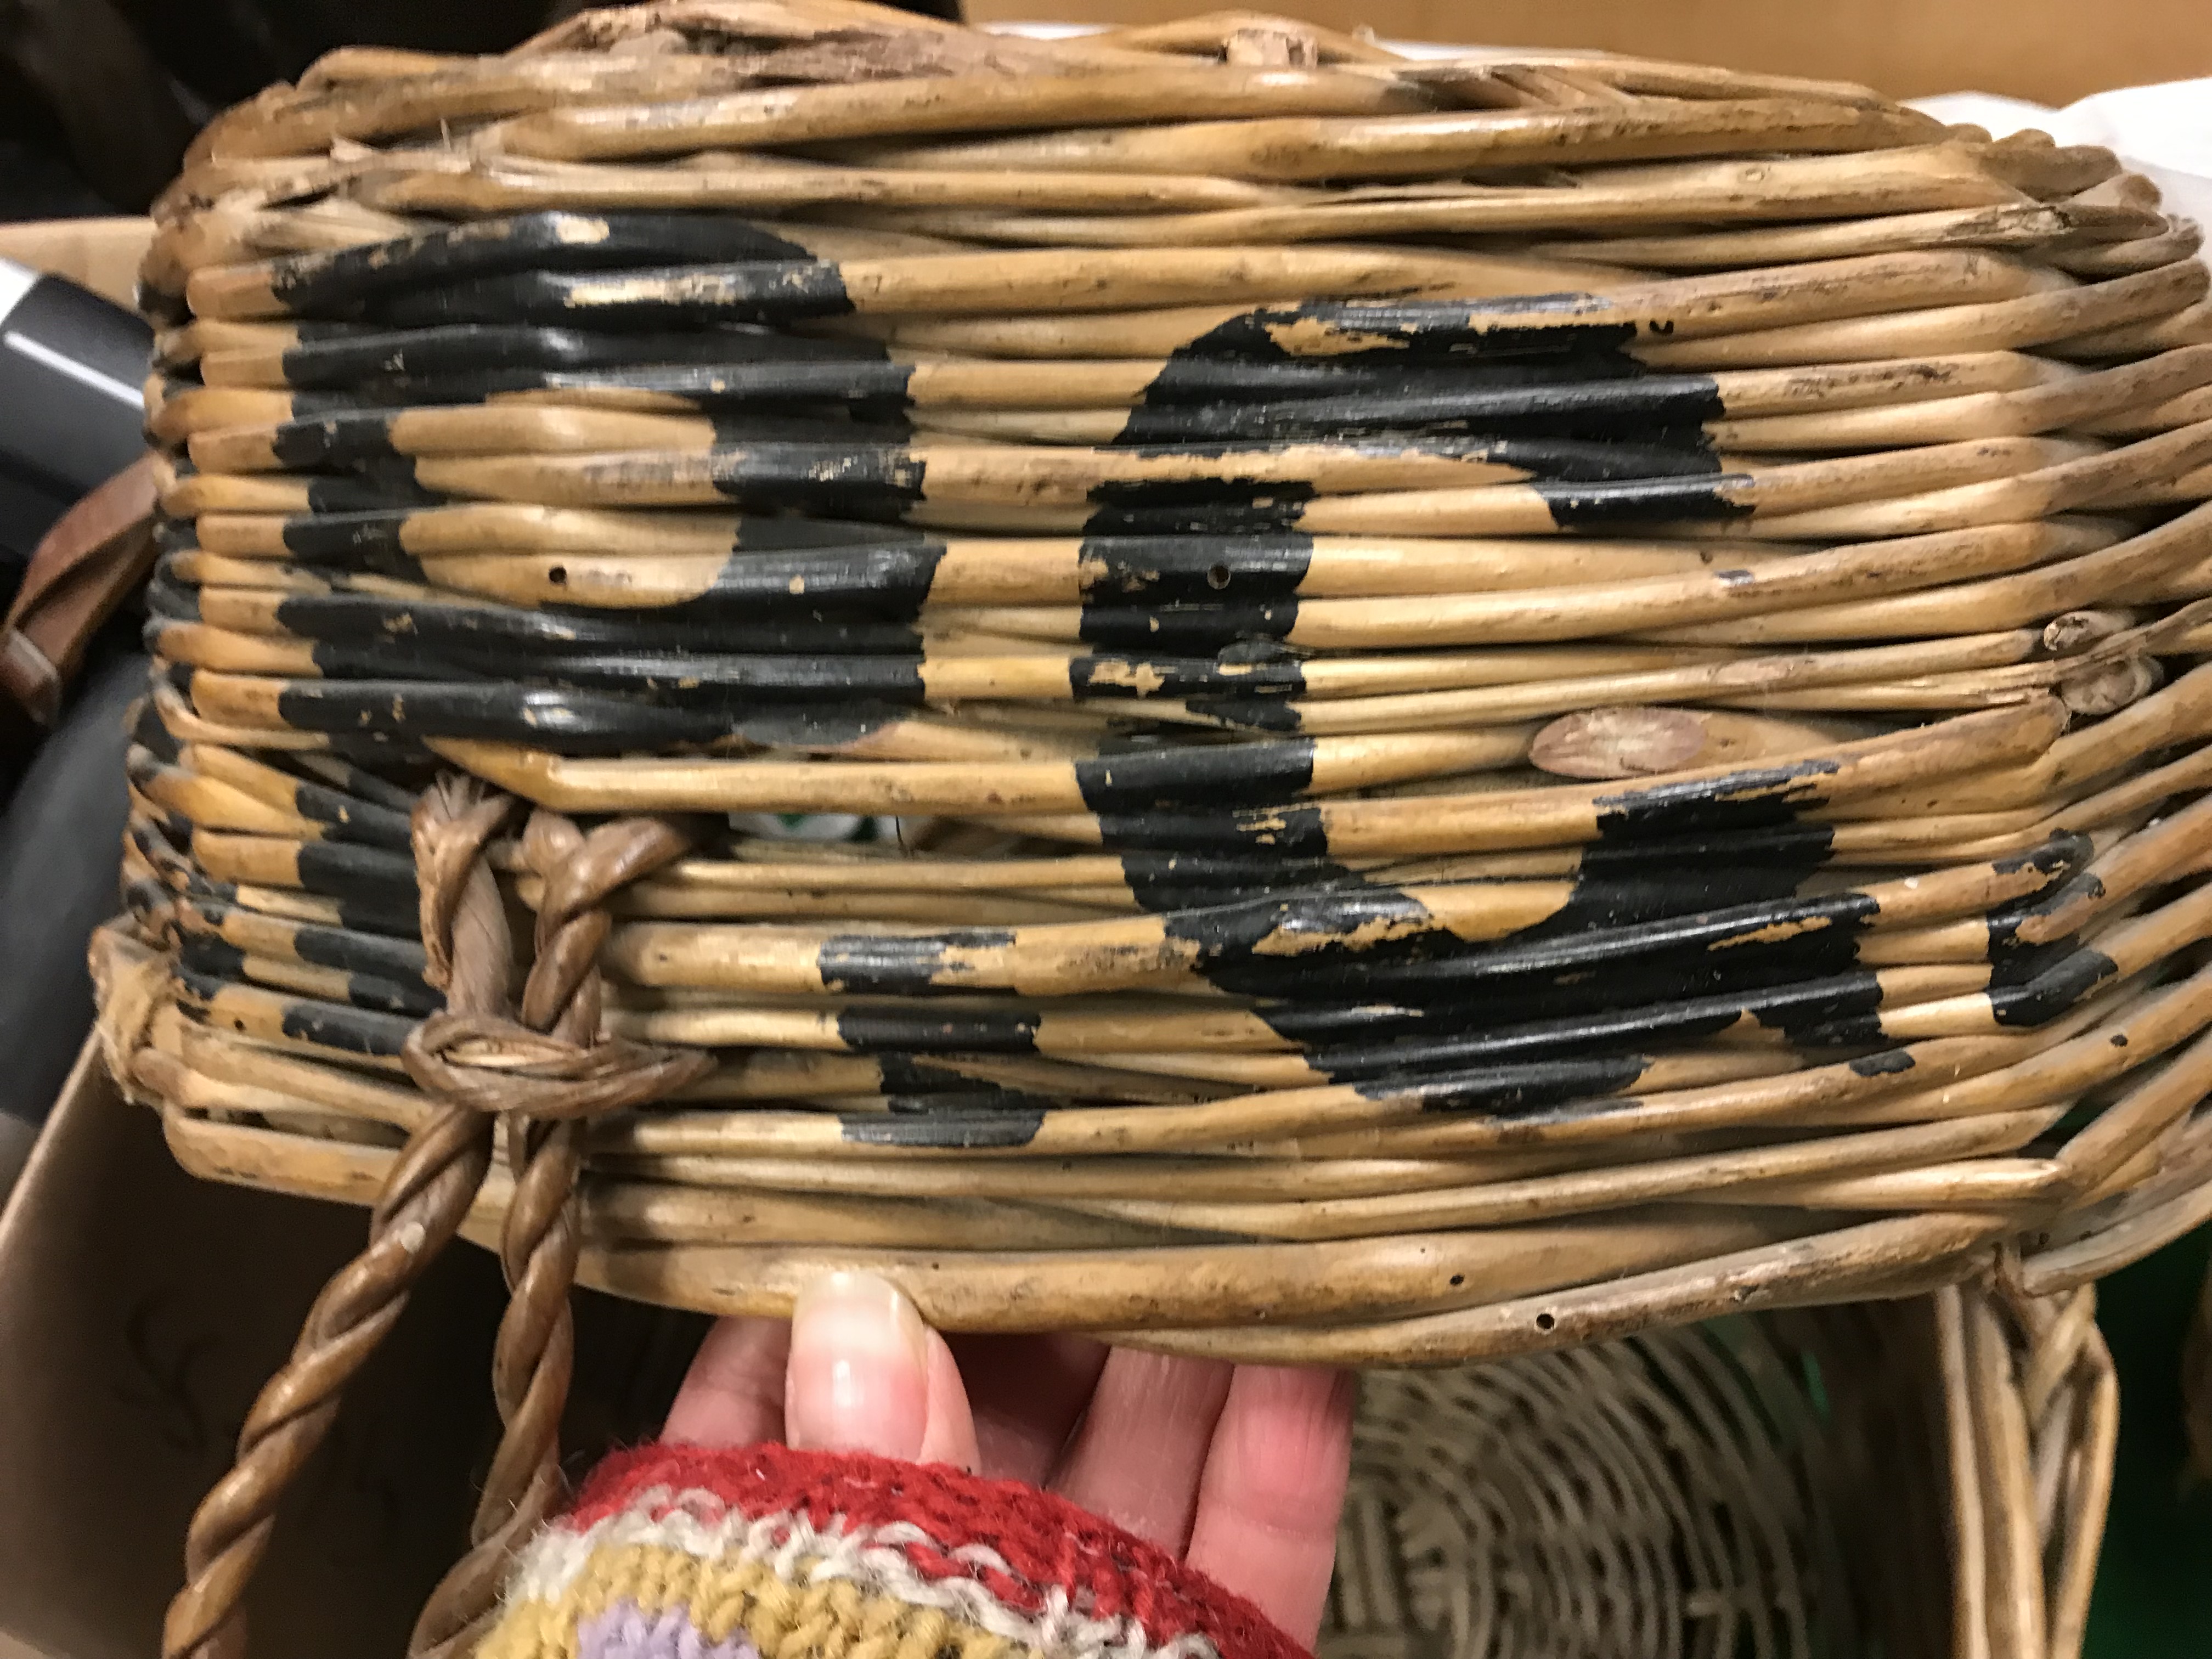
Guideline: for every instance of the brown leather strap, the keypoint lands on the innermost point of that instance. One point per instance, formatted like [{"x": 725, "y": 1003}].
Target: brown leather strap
[{"x": 85, "y": 565}]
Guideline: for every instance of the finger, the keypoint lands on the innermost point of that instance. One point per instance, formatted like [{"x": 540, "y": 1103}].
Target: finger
[
  {"x": 1027, "y": 1393},
  {"x": 1273, "y": 1486},
  {"x": 866, "y": 1375},
  {"x": 948, "y": 1434},
  {"x": 732, "y": 1395},
  {"x": 1138, "y": 1455}
]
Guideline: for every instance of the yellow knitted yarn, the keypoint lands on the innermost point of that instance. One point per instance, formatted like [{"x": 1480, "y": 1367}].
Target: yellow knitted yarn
[{"x": 835, "y": 1618}]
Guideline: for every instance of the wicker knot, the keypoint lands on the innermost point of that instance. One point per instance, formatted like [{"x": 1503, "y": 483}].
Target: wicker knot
[
  {"x": 548, "y": 1063},
  {"x": 498, "y": 1065}
]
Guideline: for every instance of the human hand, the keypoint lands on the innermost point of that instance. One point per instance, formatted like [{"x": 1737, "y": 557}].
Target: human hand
[{"x": 1239, "y": 1470}]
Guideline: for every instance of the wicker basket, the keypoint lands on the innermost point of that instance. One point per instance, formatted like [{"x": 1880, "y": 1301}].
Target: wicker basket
[
  {"x": 1800, "y": 1485},
  {"x": 1501, "y": 703}
]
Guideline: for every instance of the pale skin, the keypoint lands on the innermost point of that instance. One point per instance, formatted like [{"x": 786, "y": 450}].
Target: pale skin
[{"x": 1238, "y": 1469}]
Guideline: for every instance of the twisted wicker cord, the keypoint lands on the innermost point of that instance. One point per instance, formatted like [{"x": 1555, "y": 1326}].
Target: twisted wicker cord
[
  {"x": 546, "y": 1065},
  {"x": 484, "y": 1068},
  {"x": 424, "y": 1202}
]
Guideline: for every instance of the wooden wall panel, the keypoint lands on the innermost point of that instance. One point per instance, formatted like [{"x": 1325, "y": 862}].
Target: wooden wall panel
[{"x": 2050, "y": 51}]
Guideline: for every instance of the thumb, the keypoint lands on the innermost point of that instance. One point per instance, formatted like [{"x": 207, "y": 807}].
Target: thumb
[{"x": 866, "y": 1375}]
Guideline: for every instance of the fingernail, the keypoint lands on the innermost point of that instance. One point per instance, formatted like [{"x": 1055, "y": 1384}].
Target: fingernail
[{"x": 859, "y": 1368}]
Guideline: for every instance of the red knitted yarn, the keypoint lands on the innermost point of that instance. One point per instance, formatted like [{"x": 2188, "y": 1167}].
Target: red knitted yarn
[{"x": 1045, "y": 1540}]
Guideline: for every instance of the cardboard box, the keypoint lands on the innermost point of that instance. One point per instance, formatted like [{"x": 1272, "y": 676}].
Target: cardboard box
[
  {"x": 102, "y": 254},
  {"x": 2052, "y": 51},
  {"x": 141, "y": 1311}
]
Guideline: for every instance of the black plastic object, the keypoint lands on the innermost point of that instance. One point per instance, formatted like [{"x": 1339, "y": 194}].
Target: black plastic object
[
  {"x": 60, "y": 840},
  {"x": 71, "y": 417}
]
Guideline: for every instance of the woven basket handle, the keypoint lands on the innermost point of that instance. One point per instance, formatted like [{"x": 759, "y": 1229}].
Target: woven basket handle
[{"x": 535, "y": 1076}]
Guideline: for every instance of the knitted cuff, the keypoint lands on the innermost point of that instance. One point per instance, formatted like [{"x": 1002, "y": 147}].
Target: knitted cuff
[{"x": 675, "y": 1553}]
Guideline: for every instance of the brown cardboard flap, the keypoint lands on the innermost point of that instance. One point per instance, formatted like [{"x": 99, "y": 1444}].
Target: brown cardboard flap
[
  {"x": 140, "y": 1312},
  {"x": 101, "y": 254}
]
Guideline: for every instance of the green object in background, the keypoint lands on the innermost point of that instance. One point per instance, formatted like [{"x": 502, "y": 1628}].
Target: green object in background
[{"x": 2154, "y": 1598}]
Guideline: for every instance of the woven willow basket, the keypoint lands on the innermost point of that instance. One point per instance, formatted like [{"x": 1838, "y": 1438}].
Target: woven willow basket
[
  {"x": 1818, "y": 1483},
  {"x": 1477, "y": 705}
]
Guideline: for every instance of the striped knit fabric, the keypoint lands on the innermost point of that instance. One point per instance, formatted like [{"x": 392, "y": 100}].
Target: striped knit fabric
[{"x": 762, "y": 1552}]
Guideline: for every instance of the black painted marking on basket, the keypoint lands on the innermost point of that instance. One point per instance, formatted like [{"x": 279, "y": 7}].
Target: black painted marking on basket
[
  {"x": 1643, "y": 924},
  {"x": 360, "y": 436},
  {"x": 1755, "y": 797},
  {"x": 366, "y": 786},
  {"x": 2059, "y": 985},
  {"x": 1201, "y": 507},
  {"x": 1556, "y": 459},
  {"x": 1665, "y": 412},
  {"x": 148, "y": 900},
  {"x": 1417, "y": 333},
  {"x": 1889, "y": 1062},
  {"x": 339, "y": 281},
  {"x": 1666, "y": 912},
  {"x": 1294, "y": 832},
  {"x": 356, "y": 435},
  {"x": 393, "y": 916},
  {"x": 1803, "y": 1012},
  {"x": 2013, "y": 961},
  {"x": 361, "y": 1030},
  {"x": 1187, "y": 627},
  {"x": 565, "y": 722},
  {"x": 909, "y": 1077},
  {"x": 343, "y": 870},
  {"x": 863, "y": 481},
  {"x": 1841, "y": 1013},
  {"x": 1323, "y": 902},
  {"x": 1212, "y": 876},
  {"x": 782, "y": 291},
  {"x": 1597, "y": 506},
  {"x": 1635, "y": 927},
  {"x": 1190, "y": 375},
  {"x": 946, "y": 1129},
  {"x": 889, "y": 578},
  {"x": 1260, "y": 774},
  {"x": 814, "y": 372},
  {"x": 370, "y": 540},
  {"x": 1116, "y": 675},
  {"x": 869, "y": 965},
  {"x": 500, "y": 639},
  {"x": 928, "y": 1029},
  {"x": 303, "y": 1019},
  {"x": 349, "y": 819},
  {"x": 981, "y": 1101},
  {"x": 217, "y": 958},
  {"x": 380, "y": 487},
  {"x": 1175, "y": 570},
  {"x": 147, "y": 731},
  {"x": 1652, "y": 946},
  {"x": 1513, "y": 1091},
  {"x": 212, "y": 957},
  {"x": 168, "y": 596},
  {"x": 460, "y": 361},
  {"x": 734, "y": 689},
  {"x": 385, "y": 957}
]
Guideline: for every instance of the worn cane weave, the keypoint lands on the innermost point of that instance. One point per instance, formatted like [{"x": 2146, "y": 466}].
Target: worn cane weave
[
  {"x": 1915, "y": 1478},
  {"x": 1495, "y": 702}
]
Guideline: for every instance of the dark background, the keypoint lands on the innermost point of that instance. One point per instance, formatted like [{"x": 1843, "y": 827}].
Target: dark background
[{"x": 98, "y": 98}]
